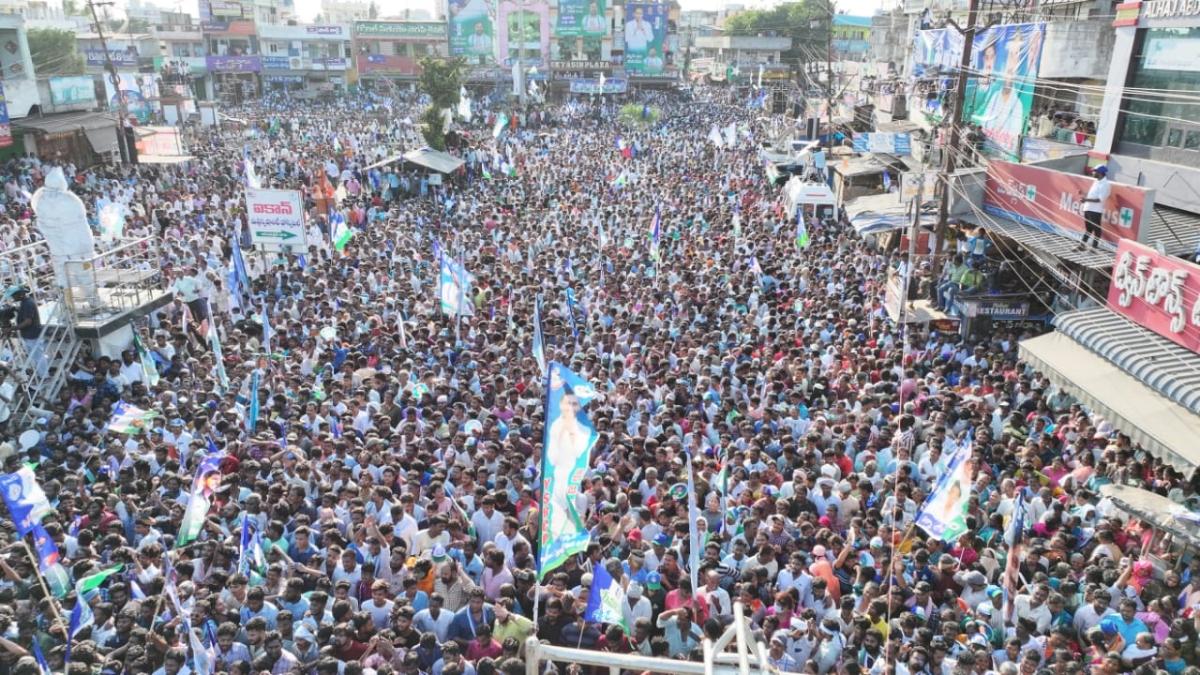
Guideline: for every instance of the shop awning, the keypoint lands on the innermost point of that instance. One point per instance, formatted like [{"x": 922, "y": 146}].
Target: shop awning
[
  {"x": 384, "y": 162},
  {"x": 1056, "y": 245},
  {"x": 103, "y": 139},
  {"x": 1159, "y": 511},
  {"x": 53, "y": 124},
  {"x": 1164, "y": 428},
  {"x": 1177, "y": 231},
  {"x": 1160, "y": 364},
  {"x": 871, "y": 164},
  {"x": 434, "y": 160},
  {"x": 872, "y": 214}
]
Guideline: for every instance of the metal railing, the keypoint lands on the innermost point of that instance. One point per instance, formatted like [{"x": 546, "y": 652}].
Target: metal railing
[{"x": 114, "y": 281}]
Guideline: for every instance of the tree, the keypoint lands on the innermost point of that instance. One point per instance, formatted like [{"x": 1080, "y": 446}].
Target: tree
[
  {"x": 71, "y": 8},
  {"x": 805, "y": 22},
  {"x": 373, "y": 10},
  {"x": 53, "y": 52},
  {"x": 441, "y": 80}
]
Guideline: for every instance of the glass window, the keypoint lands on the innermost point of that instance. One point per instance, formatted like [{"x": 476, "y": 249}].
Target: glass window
[
  {"x": 1167, "y": 62},
  {"x": 1192, "y": 141}
]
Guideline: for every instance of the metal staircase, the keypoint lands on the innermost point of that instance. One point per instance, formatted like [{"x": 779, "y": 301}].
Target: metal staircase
[{"x": 93, "y": 298}]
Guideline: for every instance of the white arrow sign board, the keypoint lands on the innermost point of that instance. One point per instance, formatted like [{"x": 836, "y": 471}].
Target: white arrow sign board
[{"x": 276, "y": 218}]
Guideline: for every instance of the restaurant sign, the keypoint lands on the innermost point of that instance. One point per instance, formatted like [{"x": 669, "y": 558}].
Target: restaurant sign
[
  {"x": 1157, "y": 291},
  {"x": 1052, "y": 201}
]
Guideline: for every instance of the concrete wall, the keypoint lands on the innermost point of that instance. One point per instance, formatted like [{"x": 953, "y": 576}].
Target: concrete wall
[
  {"x": 1175, "y": 185},
  {"x": 1077, "y": 49}
]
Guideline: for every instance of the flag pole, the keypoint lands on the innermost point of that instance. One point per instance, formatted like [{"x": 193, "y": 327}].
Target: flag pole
[
  {"x": 541, "y": 494},
  {"x": 45, "y": 587}
]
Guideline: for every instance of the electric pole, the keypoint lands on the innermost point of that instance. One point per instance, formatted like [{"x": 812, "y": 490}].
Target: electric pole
[
  {"x": 122, "y": 141},
  {"x": 951, "y": 145}
]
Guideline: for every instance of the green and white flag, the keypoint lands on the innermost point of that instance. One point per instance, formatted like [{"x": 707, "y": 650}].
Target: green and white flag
[
  {"x": 149, "y": 368},
  {"x": 93, "y": 581}
]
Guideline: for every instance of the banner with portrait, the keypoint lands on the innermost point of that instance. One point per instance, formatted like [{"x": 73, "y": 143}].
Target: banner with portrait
[
  {"x": 645, "y": 37},
  {"x": 1003, "y": 71},
  {"x": 566, "y": 451},
  {"x": 472, "y": 30},
  {"x": 523, "y": 23},
  {"x": 582, "y": 18}
]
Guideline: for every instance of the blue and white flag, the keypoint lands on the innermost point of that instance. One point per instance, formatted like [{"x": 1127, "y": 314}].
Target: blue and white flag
[
  {"x": 43, "y": 665},
  {"x": 252, "y": 179},
  {"x": 539, "y": 348},
  {"x": 454, "y": 283},
  {"x": 214, "y": 341},
  {"x": 694, "y": 543},
  {"x": 26, "y": 501},
  {"x": 606, "y": 600},
  {"x": 944, "y": 514},
  {"x": 239, "y": 265},
  {"x": 250, "y": 552},
  {"x": 267, "y": 333},
  {"x": 567, "y": 444},
  {"x": 655, "y": 233},
  {"x": 571, "y": 313},
  {"x": 253, "y": 412}
]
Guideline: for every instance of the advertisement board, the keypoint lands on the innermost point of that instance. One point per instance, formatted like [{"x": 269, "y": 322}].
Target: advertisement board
[
  {"x": 72, "y": 90},
  {"x": 6, "y": 138},
  {"x": 275, "y": 217},
  {"x": 1052, "y": 201},
  {"x": 1006, "y": 60},
  {"x": 1157, "y": 291},
  {"x": 609, "y": 85},
  {"x": 234, "y": 64},
  {"x": 472, "y": 30},
  {"x": 1041, "y": 149},
  {"x": 645, "y": 36},
  {"x": 582, "y": 18},
  {"x": 417, "y": 30},
  {"x": 523, "y": 23},
  {"x": 121, "y": 58},
  {"x": 387, "y": 64},
  {"x": 140, "y": 92},
  {"x": 160, "y": 142},
  {"x": 891, "y": 143}
]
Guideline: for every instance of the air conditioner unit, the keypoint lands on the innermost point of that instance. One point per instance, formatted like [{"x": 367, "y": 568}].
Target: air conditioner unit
[{"x": 295, "y": 63}]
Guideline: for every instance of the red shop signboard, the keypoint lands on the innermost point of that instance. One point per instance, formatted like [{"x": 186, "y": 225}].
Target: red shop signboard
[{"x": 1157, "y": 291}]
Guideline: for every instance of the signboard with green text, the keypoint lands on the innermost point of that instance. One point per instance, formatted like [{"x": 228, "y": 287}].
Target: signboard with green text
[{"x": 420, "y": 30}]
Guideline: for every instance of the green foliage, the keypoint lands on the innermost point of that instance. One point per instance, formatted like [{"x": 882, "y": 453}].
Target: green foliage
[
  {"x": 53, "y": 52},
  {"x": 631, "y": 115},
  {"x": 441, "y": 80},
  {"x": 789, "y": 19}
]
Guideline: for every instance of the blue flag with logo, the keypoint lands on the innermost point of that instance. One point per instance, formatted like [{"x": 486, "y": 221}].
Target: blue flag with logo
[
  {"x": 606, "y": 600},
  {"x": 25, "y": 499}
]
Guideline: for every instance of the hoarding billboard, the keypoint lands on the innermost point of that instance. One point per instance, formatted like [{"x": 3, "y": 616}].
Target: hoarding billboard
[
  {"x": 523, "y": 23},
  {"x": 472, "y": 30},
  {"x": 1005, "y": 60},
  {"x": 645, "y": 37},
  {"x": 582, "y": 18},
  {"x": 72, "y": 90}
]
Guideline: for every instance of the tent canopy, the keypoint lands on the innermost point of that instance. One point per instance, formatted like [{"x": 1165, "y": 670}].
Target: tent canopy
[
  {"x": 434, "y": 160},
  {"x": 875, "y": 214}
]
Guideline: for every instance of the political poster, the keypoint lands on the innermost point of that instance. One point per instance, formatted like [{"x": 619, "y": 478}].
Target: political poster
[
  {"x": 645, "y": 37},
  {"x": 275, "y": 217},
  {"x": 472, "y": 30},
  {"x": 1004, "y": 66},
  {"x": 140, "y": 92},
  {"x": 6, "y": 138},
  {"x": 582, "y": 18},
  {"x": 567, "y": 444},
  {"x": 72, "y": 90},
  {"x": 523, "y": 24}
]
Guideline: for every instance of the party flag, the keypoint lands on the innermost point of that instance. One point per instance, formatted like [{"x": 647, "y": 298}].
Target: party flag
[
  {"x": 26, "y": 501},
  {"x": 267, "y": 333},
  {"x": 501, "y": 122},
  {"x": 128, "y": 419},
  {"x": 567, "y": 441},
  {"x": 539, "y": 350},
  {"x": 252, "y": 414},
  {"x": 96, "y": 579},
  {"x": 342, "y": 234},
  {"x": 149, "y": 369},
  {"x": 1015, "y": 538},
  {"x": 606, "y": 600},
  {"x": 43, "y": 665},
  {"x": 656, "y": 233},
  {"x": 944, "y": 514},
  {"x": 204, "y": 484}
]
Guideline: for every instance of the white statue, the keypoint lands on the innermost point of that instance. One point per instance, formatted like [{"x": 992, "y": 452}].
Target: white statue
[{"x": 62, "y": 220}]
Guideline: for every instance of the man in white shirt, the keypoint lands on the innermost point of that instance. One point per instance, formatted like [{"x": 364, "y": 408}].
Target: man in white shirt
[
  {"x": 594, "y": 23},
  {"x": 638, "y": 32},
  {"x": 1093, "y": 207},
  {"x": 487, "y": 521}
]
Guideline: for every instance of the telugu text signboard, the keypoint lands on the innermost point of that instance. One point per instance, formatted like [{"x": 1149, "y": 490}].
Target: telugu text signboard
[
  {"x": 415, "y": 30},
  {"x": 275, "y": 217},
  {"x": 1157, "y": 291},
  {"x": 1052, "y": 201}
]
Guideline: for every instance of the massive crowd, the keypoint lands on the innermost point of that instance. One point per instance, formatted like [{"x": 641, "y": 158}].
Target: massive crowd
[{"x": 394, "y": 469}]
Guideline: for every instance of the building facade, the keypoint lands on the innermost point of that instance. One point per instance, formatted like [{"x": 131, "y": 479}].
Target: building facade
[
  {"x": 311, "y": 55},
  {"x": 394, "y": 49}
]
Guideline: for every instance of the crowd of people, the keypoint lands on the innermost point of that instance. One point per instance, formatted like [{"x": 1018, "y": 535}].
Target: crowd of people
[{"x": 389, "y": 462}]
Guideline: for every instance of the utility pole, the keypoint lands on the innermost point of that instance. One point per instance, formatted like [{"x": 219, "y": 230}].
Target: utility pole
[
  {"x": 951, "y": 145},
  {"x": 519, "y": 78},
  {"x": 829, "y": 76},
  {"x": 122, "y": 141}
]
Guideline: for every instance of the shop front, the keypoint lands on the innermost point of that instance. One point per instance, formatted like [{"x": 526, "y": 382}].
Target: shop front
[{"x": 1133, "y": 360}]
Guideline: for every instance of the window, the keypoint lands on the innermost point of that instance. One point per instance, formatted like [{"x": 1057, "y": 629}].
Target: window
[{"x": 1167, "y": 62}]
